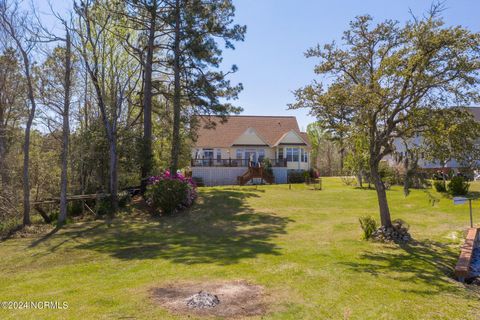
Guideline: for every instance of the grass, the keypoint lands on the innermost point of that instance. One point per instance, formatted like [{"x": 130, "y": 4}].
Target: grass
[{"x": 303, "y": 246}]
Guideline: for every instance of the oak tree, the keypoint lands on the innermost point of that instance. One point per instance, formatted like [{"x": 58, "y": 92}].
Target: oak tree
[{"x": 387, "y": 73}]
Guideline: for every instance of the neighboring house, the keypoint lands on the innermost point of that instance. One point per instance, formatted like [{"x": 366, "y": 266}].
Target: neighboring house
[
  {"x": 400, "y": 150},
  {"x": 224, "y": 152}
]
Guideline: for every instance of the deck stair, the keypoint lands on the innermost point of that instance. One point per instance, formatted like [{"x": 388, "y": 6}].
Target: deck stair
[{"x": 255, "y": 172}]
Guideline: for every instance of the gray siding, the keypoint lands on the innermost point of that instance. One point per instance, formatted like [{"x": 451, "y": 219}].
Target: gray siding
[
  {"x": 218, "y": 176},
  {"x": 280, "y": 175}
]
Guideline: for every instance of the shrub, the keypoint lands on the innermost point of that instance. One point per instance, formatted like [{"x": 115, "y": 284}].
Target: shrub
[
  {"x": 439, "y": 186},
  {"x": 348, "y": 180},
  {"x": 267, "y": 165},
  {"x": 124, "y": 199},
  {"x": 306, "y": 176},
  {"x": 170, "y": 193},
  {"x": 368, "y": 225},
  {"x": 389, "y": 175},
  {"x": 310, "y": 176},
  {"x": 458, "y": 186},
  {"x": 313, "y": 173},
  {"x": 74, "y": 208},
  {"x": 104, "y": 206},
  {"x": 296, "y": 176}
]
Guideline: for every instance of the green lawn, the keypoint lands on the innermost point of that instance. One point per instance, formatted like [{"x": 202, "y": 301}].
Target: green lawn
[{"x": 303, "y": 246}]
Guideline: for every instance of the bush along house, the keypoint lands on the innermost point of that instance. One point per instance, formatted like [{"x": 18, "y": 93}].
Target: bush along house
[{"x": 248, "y": 149}]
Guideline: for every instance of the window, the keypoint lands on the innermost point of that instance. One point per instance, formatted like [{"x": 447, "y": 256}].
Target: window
[
  {"x": 289, "y": 154},
  {"x": 239, "y": 153},
  {"x": 208, "y": 153},
  {"x": 280, "y": 154},
  {"x": 219, "y": 154},
  {"x": 261, "y": 155},
  {"x": 304, "y": 155},
  {"x": 293, "y": 154},
  {"x": 296, "y": 154}
]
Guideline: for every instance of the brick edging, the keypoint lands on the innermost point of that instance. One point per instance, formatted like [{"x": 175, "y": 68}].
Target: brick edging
[{"x": 462, "y": 269}]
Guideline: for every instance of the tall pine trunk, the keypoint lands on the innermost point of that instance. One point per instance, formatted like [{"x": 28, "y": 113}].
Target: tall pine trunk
[
  {"x": 342, "y": 158},
  {"x": 112, "y": 142},
  {"x": 147, "y": 103},
  {"x": 62, "y": 218},
  {"x": 26, "y": 145},
  {"x": 381, "y": 194},
  {"x": 177, "y": 92},
  {"x": 3, "y": 153}
]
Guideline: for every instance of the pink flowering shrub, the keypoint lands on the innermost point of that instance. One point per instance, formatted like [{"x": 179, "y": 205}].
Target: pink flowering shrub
[{"x": 169, "y": 193}]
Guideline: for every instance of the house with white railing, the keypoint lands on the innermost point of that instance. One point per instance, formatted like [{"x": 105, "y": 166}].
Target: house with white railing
[
  {"x": 239, "y": 149},
  {"x": 416, "y": 142}
]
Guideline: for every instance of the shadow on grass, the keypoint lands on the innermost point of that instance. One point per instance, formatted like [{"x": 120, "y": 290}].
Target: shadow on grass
[
  {"x": 427, "y": 262},
  {"x": 220, "y": 229},
  {"x": 364, "y": 188},
  {"x": 45, "y": 237}
]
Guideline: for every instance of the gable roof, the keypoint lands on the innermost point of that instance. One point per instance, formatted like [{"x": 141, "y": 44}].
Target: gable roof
[
  {"x": 246, "y": 137},
  {"x": 223, "y": 135},
  {"x": 288, "y": 134}
]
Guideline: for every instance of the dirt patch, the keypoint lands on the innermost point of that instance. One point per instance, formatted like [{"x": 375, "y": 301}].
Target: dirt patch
[{"x": 236, "y": 298}]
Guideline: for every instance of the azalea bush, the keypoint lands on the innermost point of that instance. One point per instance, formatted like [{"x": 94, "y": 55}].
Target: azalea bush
[{"x": 169, "y": 193}]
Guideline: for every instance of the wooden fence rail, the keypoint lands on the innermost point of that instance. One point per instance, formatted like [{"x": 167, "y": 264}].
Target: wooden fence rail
[{"x": 71, "y": 198}]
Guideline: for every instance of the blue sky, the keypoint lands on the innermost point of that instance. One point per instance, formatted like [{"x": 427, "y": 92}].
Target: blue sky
[{"x": 271, "y": 61}]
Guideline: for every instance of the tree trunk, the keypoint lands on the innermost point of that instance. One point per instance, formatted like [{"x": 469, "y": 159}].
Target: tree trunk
[
  {"x": 406, "y": 180},
  {"x": 342, "y": 157},
  {"x": 62, "y": 218},
  {"x": 381, "y": 195},
  {"x": 113, "y": 168},
  {"x": 26, "y": 145},
  {"x": 360, "y": 178},
  {"x": 147, "y": 104},
  {"x": 112, "y": 145},
  {"x": 444, "y": 176},
  {"x": 42, "y": 212},
  {"x": 3, "y": 154},
  {"x": 110, "y": 125},
  {"x": 177, "y": 92},
  {"x": 112, "y": 141}
]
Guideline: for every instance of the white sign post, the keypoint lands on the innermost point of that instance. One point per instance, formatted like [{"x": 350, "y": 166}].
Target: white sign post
[{"x": 462, "y": 200}]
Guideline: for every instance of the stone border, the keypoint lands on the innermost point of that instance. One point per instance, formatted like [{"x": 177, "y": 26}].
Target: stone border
[{"x": 462, "y": 269}]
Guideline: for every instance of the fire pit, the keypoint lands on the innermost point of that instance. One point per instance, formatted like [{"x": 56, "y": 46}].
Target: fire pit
[
  {"x": 203, "y": 300},
  {"x": 225, "y": 299}
]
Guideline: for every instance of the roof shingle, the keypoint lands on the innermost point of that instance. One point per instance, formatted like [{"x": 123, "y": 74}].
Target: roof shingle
[{"x": 270, "y": 128}]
